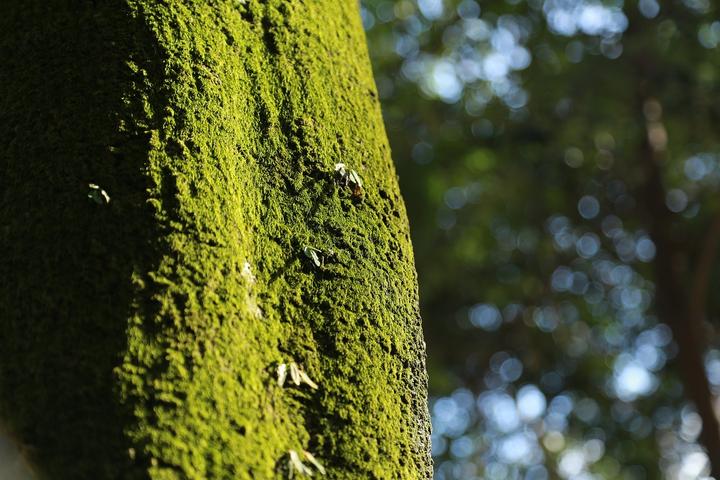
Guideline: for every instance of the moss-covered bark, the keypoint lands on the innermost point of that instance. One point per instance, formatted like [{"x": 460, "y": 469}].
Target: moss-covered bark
[{"x": 140, "y": 337}]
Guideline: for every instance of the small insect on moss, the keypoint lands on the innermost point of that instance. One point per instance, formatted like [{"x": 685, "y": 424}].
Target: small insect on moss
[
  {"x": 311, "y": 458},
  {"x": 350, "y": 179},
  {"x": 247, "y": 274},
  {"x": 281, "y": 374},
  {"x": 98, "y": 195},
  {"x": 295, "y": 464},
  {"x": 297, "y": 375},
  {"x": 304, "y": 378},
  {"x": 314, "y": 254}
]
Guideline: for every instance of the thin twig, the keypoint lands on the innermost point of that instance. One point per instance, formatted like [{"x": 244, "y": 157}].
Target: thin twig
[{"x": 703, "y": 269}]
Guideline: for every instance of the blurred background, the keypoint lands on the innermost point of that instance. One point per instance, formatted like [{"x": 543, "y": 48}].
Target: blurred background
[{"x": 559, "y": 161}]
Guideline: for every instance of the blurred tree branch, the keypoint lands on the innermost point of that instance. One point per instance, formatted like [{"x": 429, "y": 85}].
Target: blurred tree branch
[{"x": 680, "y": 309}]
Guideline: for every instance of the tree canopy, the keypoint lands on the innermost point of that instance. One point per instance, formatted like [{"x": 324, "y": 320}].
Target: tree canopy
[{"x": 559, "y": 160}]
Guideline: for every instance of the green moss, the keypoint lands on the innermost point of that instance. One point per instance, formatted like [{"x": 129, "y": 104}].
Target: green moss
[{"x": 135, "y": 342}]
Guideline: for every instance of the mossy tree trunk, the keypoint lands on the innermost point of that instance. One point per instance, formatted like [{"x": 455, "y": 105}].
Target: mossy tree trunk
[{"x": 143, "y": 318}]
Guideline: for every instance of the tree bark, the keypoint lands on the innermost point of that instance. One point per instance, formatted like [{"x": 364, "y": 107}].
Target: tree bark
[{"x": 173, "y": 230}]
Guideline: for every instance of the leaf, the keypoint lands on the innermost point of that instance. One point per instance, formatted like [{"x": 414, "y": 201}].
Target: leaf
[
  {"x": 296, "y": 464},
  {"x": 355, "y": 178},
  {"x": 306, "y": 379},
  {"x": 312, "y": 254},
  {"x": 311, "y": 458},
  {"x": 295, "y": 373},
  {"x": 281, "y": 374},
  {"x": 98, "y": 195}
]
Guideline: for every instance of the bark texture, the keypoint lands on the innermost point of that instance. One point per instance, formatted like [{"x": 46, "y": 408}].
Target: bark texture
[{"x": 140, "y": 337}]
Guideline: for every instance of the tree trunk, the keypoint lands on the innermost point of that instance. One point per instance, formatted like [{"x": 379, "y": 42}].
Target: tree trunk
[
  {"x": 173, "y": 231},
  {"x": 680, "y": 308}
]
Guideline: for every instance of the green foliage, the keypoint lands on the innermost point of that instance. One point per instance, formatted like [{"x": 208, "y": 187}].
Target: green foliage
[{"x": 518, "y": 128}]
